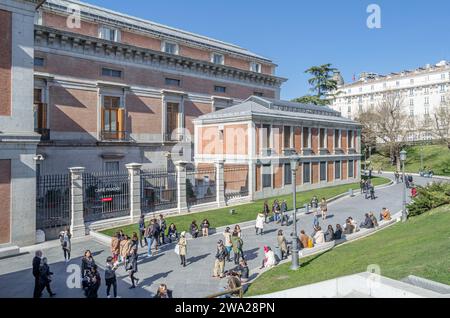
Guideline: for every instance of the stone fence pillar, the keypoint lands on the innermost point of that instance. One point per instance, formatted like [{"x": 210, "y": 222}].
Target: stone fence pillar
[
  {"x": 181, "y": 186},
  {"x": 220, "y": 183},
  {"x": 77, "y": 226},
  {"x": 134, "y": 172}
]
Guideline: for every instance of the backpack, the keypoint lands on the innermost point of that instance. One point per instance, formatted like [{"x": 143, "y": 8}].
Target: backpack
[{"x": 310, "y": 243}]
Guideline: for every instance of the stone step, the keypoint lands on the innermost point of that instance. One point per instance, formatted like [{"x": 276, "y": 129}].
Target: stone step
[
  {"x": 427, "y": 284},
  {"x": 8, "y": 250}
]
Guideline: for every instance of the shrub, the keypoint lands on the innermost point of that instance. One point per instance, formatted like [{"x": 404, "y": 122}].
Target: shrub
[{"x": 429, "y": 197}]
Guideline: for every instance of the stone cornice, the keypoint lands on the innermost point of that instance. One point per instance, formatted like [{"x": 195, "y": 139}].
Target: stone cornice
[{"x": 117, "y": 52}]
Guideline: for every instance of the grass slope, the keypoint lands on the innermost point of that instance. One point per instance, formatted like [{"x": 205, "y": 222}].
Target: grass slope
[
  {"x": 436, "y": 157},
  {"x": 246, "y": 212},
  {"x": 418, "y": 247}
]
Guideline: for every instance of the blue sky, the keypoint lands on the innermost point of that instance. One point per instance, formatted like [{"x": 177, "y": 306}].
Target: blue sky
[{"x": 299, "y": 34}]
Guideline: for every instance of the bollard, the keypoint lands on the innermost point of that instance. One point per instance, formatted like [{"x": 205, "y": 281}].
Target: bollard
[
  {"x": 232, "y": 211},
  {"x": 306, "y": 208},
  {"x": 350, "y": 192}
]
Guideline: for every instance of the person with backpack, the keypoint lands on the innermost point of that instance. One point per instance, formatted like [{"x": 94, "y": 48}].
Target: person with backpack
[
  {"x": 142, "y": 230},
  {"x": 219, "y": 264},
  {"x": 133, "y": 268},
  {"x": 237, "y": 244},
  {"x": 110, "y": 277},
  {"x": 64, "y": 238},
  {"x": 45, "y": 276}
]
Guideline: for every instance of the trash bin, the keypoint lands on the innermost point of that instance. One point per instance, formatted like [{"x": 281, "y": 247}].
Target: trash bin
[
  {"x": 350, "y": 192},
  {"x": 306, "y": 208},
  {"x": 40, "y": 236}
]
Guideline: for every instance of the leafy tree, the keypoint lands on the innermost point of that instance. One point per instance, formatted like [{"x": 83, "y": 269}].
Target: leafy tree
[{"x": 322, "y": 84}]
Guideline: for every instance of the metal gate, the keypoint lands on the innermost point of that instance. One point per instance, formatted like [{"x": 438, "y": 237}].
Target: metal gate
[
  {"x": 200, "y": 185},
  {"x": 106, "y": 195},
  {"x": 235, "y": 181},
  {"x": 52, "y": 203},
  {"x": 158, "y": 190}
]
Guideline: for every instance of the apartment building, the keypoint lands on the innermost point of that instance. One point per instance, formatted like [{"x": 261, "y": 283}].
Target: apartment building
[
  {"x": 421, "y": 91},
  {"x": 260, "y": 134},
  {"x": 110, "y": 89}
]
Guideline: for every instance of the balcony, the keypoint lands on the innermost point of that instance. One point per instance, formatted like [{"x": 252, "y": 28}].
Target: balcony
[
  {"x": 44, "y": 132},
  {"x": 114, "y": 135}
]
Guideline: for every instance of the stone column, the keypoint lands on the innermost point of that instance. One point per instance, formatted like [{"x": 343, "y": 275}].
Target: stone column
[
  {"x": 181, "y": 186},
  {"x": 220, "y": 183},
  {"x": 77, "y": 226},
  {"x": 134, "y": 172},
  {"x": 251, "y": 179}
]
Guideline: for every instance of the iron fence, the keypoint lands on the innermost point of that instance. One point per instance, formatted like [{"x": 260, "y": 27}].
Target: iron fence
[
  {"x": 235, "y": 181},
  {"x": 105, "y": 195},
  {"x": 200, "y": 185},
  {"x": 158, "y": 190},
  {"x": 52, "y": 201}
]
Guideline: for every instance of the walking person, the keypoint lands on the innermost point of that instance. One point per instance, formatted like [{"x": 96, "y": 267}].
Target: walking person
[
  {"x": 133, "y": 268},
  {"x": 323, "y": 208},
  {"x": 205, "y": 227},
  {"x": 282, "y": 245},
  {"x": 64, "y": 239},
  {"x": 45, "y": 276},
  {"x": 284, "y": 216},
  {"x": 36, "y": 273},
  {"x": 142, "y": 230},
  {"x": 162, "y": 229},
  {"x": 276, "y": 211},
  {"x": 237, "y": 244},
  {"x": 194, "y": 229},
  {"x": 94, "y": 282},
  {"x": 124, "y": 249},
  {"x": 266, "y": 211},
  {"x": 260, "y": 220},
  {"x": 219, "y": 263},
  {"x": 237, "y": 229},
  {"x": 182, "y": 245},
  {"x": 372, "y": 192},
  {"x": 228, "y": 243},
  {"x": 115, "y": 247},
  {"x": 87, "y": 264},
  {"x": 314, "y": 204},
  {"x": 110, "y": 277}
]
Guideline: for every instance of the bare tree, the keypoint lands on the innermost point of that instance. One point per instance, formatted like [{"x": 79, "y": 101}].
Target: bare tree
[
  {"x": 387, "y": 123},
  {"x": 441, "y": 121}
]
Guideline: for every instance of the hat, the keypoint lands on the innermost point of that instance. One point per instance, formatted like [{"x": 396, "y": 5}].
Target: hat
[{"x": 266, "y": 249}]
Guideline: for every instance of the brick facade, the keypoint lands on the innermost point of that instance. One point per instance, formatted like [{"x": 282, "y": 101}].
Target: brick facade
[{"x": 5, "y": 62}]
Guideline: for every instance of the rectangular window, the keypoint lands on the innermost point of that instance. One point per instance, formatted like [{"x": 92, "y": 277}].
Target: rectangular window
[
  {"x": 111, "y": 166},
  {"x": 322, "y": 137},
  {"x": 109, "y": 34},
  {"x": 442, "y": 88},
  {"x": 411, "y": 92},
  {"x": 39, "y": 111},
  {"x": 267, "y": 176},
  {"x": 337, "y": 170},
  {"x": 39, "y": 61},
  {"x": 337, "y": 138},
  {"x": 266, "y": 136},
  {"x": 217, "y": 58},
  {"x": 323, "y": 171},
  {"x": 411, "y": 102},
  {"x": 427, "y": 100},
  {"x": 172, "y": 119},
  {"x": 112, "y": 118},
  {"x": 350, "y": 168},
  {"x": 350, "y": 138},
  {"x": 172, "y": 82},
  {"x": 306, "y": 172},
  {"x": 287, "y": 137},
  {"x": 305, "y": 137},
  {"x": 255, "y": 67},
  {"x": 170, "y": 47},
  {"x": 111, "y": 73},
  {"x": 220, "y": 89},
  {"x": 287, "y": 174}
]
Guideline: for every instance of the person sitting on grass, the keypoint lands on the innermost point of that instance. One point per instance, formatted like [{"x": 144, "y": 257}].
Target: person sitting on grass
[
  {"x": 367, "y": 223},
  {"x": 385, "y": 214},
  {"x": 319, "y": 237}
]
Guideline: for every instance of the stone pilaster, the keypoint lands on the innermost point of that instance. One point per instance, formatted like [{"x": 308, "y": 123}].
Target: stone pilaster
[
  {"x": 77, "y": 226},
  {"x": 220, "y": 183},
  {"x": 181, "y": 186},
  {"x": 134, "y": 172}
]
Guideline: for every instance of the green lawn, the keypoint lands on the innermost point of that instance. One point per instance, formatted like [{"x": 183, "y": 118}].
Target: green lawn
[
  {"x": 436, "y": 157},
  {"x": 418, "y": 247},
  {"x": 245, "y": 212}
]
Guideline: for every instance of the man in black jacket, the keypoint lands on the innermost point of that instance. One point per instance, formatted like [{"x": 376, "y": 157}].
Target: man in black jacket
[{"x": 36, "y": 273}]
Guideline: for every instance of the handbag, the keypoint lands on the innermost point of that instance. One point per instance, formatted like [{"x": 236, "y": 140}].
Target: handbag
[{"x": 177, "y": 249}]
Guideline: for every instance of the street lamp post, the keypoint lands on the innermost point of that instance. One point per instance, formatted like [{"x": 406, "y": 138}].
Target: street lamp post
[
  {"x": 294, "y": 164},
  {"x": 365, "y": 160},
  {"x": 403, "y": 159},
  {"x": 370, "y": 153}
]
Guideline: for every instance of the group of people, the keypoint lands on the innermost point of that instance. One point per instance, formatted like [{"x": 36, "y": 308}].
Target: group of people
[{"x": 366, "y": 186}]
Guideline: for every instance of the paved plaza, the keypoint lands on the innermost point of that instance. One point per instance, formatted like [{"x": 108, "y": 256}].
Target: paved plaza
[{"x": 196, "y": 279}]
